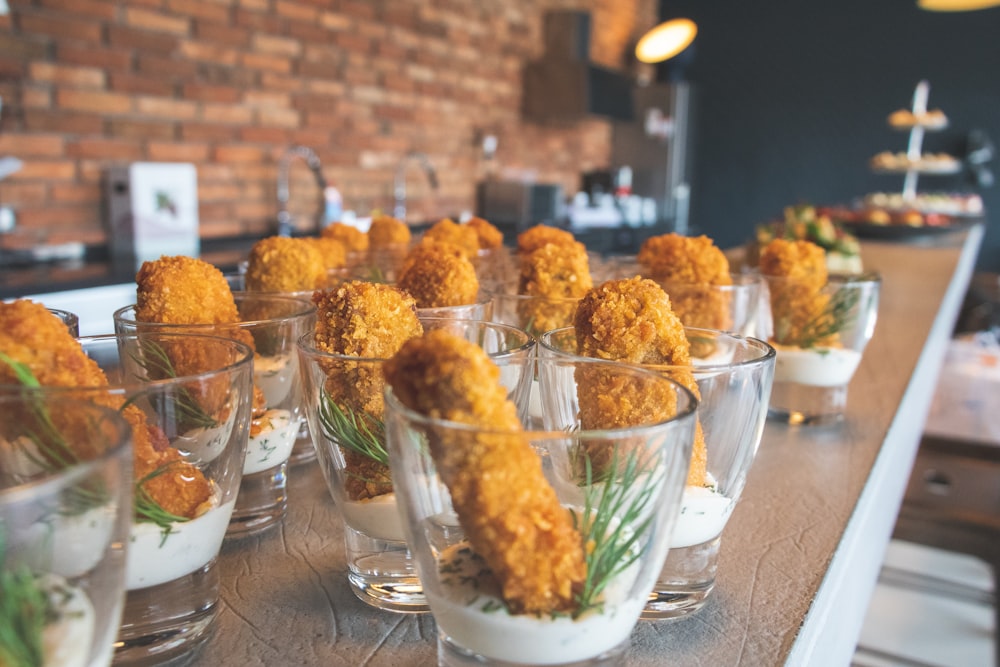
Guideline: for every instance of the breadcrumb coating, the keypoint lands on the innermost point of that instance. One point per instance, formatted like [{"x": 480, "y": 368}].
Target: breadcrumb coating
[
  {"x": 558, "y": 274},
  {"x": 510, "y": 514},
  {"x": 183, "y": 290},
  {"x": 370, "y": 321},
  {"x": 387, "y": 231},
  {"x": 332, "y": 251},
  {"x": 631, "y": 320},
  {"x": 797, "y": 274},
  {"x": 438, "y": 275},
  {"x": 489, "y": 236},
  {"x": 354, "y": 239},
  {"x": 284, "y": 264},
  {"x": 32, "y": 336},
  {"x": 539, "y": 235},
  {"x": 462, "y": 237}
]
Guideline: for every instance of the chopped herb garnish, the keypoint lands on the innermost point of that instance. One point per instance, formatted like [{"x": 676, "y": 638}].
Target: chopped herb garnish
[{"x": 355, "y": 430}]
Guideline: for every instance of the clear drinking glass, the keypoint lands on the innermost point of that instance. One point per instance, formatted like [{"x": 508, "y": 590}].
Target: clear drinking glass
[
  {"x": 619, "y": 485},
  {"x": 271, "y": 324},
  {"x": 71, "y": 320},
  {"x": 345, "y": 409},
  {"x": 734, "y": 375},
  {"x": 820, "y": 336},
  {"x": 65, "y": 512}
]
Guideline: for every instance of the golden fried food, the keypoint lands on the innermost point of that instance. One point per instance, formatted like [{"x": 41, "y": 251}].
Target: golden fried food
[
  {"x": 489, "y": 236},
  {"x": 183, "y": 290},
  {"x": 370, "y": 321},
  {"x": 539, "y": 235},
  {"x": 32, "y": 336},
  {"x": 631, "y": 320},
  {"x": 354, "y": 239},
  {"x": 558, "y": 275},
  {"x": 438, "y": 275},
  {"x": 463, "y": 237},
  {"x": 387, "y": 231},
  {"x": 511, "y": 516},
  {"x": 284, "y": 264},
  {"x": 332, "y": 251},
  {"x": 797, "y": 274}
]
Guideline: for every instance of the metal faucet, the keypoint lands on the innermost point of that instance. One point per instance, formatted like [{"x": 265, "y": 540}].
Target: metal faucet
[
  {"x": 399, "y": 183},
  {"x": 311, "y": 159}
]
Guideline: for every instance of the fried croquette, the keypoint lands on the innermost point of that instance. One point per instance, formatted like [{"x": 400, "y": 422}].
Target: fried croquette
[
  {"x": 463, "y": 237},
  {"x": 439, "y": 275},
  {"x": 510, "y": 514},
  {"x": 370, "y": 321},
  {"x": 489, "y": 236},
  {"x": 354, "y": 239},
  {"x": 32, "y": 336},
  {"x": 558, "y": 275},
  {"x": 183, "y": 290},
  {"x": 796, "y": 273},
  {"x": 387, "y": 231},
  {"x": 284, "y": 264},
  {"x": 539, "y": 235},
  {"x": 691, "y": 270},
  {"x": 631, "y": 320},
  {"x": 332, "y": 251}
]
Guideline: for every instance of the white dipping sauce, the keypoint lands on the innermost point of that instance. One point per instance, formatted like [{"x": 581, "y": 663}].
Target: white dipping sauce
[
  {"x": 275, "y": 377},
  {"x": 273, "y": 445},
  {"x": 205, "y": 444},
  {"x": 153, "y": 559},
  {"x": 816, "y": 367},
  {"x": 376, "y": 517},
  {"x": 703, "y": 516},
  {"x": 478, "y": 621},
  {"x": 67, "y": 640},
  {"x": 80, "y": 540}
]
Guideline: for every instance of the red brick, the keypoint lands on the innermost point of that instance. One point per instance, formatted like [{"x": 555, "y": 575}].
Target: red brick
[
  {"x": 226, "y": 113},
  {"x": 157, "y": 21},
  {"x": 312, "y": 136},
  {"x": 307, "y": 32},
  {"x": 61, "y": 218},
  {"x": 263, "y": 61},
  {"x": 166, "y": 108},
  {"x": 95, "y": 101},
  {"x": 238, "y": 154},
  {"x": 102, "y": 9},
  {"x": 11, "y": 69},
  {"x": 267, "y": 98},
  {"x": 296, "y": 11},
  {"x": 214, "y": 53},
  {"x": 32, "y": 145},
  {"x": 94, "y": 56},
  {"x": 177, "y": 152},
  {"x": 335, "y": 21},
  {"x": 287, "y": 118},
  {"x": 207, "y": 93},
  {"x": 259, "y": 20},
  {"x": 70, "y": 193},
  {"x": 264, "y": 135},
  {"x": 218, "y": 192},
  {"x": 23, "y": 48},
  {"x": 358, "y": 9},
  {"x": 145, "y": 41},
  {"x": 19, "y": 194},
  {"x": 208, "y": 132},
  {"x": 54, "y": 120},
  {"x": 219, "y": 33},
  {"x": 50, "y": 170},
  {"x": 279, "y": 46},
  {"x": 104, "y": 149},
  {"x": 142, "y": 85},
  {"x": 60, "y": 27},
  {"x": 140, "y": 129},
  {"x": 284, "y": 83},
  {"x": 351, "y": 41},
  {"x": 199, "y": 9},
  {"x": 156, "y": 66}
]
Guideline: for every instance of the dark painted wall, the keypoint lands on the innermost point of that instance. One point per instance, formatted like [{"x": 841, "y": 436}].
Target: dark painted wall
[{"x": 793, "y": 96}]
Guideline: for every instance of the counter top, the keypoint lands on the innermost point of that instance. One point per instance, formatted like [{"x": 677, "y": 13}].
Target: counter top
[{"x": 799, "y": 557}]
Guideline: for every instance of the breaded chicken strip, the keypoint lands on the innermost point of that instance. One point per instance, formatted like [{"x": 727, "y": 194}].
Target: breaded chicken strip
[
  {"x": 688, "y": 268},
  {"x": 463, "y": 237},
  {"x": 510, "y": 514},
  {"x": 354, "y": 239},
  {"x": 283, "y": 264},
  {"x": 631, "y": 320},
  {"x": 32, "y": 336},
  {"x": 370, "y": 321},
  {"x": 438, "y": 275},
  {"x": 489, "y": 236},
  {"x": 539, "y": 235},
  {"x": 558, "y": 274},
  {"x": 387, "y": 231},
  {"x": 797, "y": 273}
]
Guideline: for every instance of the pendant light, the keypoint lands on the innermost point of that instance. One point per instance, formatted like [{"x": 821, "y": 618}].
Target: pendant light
[
  {"x": 667, "y": 40},
  {"x": 956, "y": 5}
]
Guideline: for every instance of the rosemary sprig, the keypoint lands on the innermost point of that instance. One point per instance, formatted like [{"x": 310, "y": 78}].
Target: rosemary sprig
[
  {"x": 838, "y": 314},
  {"x": 356, "y": 430},
  {"x": 147, "y": 509},
  {"x": 24, "y": 611},
  {"x": 157, "y": 364},
  {"x": 613, "y": 521}
]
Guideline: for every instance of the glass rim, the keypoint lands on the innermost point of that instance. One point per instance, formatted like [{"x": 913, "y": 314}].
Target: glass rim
[
  {"x": 276, "y": 297},
  {"x": 841, "y": 279},
  {"x": 305, "y": 341},
  {"x": 688, "y": 411},
  {"x": 768, "y": 351},
  {"x": 68, "y": 475},
  {"x": 244, "y": 350}
]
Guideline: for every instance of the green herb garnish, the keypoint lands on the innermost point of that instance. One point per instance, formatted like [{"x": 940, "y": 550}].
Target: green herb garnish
[
  {"x": 147, "y": 509},
  {"x": 355, "y": 430},
  {"x": 24, "y": 611},
  {"x": 838, "y": 314},
  {"x": 614, "y": 519},
  {"x": 157, "y": 364}
]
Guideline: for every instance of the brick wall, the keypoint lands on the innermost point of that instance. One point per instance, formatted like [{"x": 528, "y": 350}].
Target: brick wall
[{"x": 229, "y": 85}]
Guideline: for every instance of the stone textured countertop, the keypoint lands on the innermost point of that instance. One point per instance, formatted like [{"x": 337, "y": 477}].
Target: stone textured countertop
[{"x": 799, "y": 557}]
